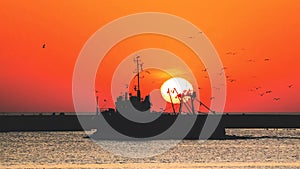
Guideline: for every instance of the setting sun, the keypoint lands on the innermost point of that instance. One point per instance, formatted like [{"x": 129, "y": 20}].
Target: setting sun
[{"x": 173, "y": 89}]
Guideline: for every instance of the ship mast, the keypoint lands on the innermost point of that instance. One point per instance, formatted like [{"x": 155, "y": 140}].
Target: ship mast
[
  {"x": 138, "y": 77},
  {"x": 97, "y": 103}
]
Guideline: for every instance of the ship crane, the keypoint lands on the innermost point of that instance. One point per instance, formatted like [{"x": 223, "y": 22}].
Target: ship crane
[
  {"x": 180, "y": 96},
  {"x": 191, "y": 108},
  {"x": 202, "y": 104},
  {"x": 169, "y": 92},
  {"x": 192, "y": 96}
]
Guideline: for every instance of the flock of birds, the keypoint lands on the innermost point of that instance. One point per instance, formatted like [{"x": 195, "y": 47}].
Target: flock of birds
[
  {"x": 229, "y": 79},
  {"x": 258, "y": 89},
  {"x": 263, "y": 93}
]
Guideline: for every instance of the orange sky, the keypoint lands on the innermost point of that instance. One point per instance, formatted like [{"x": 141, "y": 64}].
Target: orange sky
[{"x": 37, "y": 79}]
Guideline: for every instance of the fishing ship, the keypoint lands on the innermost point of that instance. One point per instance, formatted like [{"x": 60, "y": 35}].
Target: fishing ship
[{"x": 188, "y": 125}]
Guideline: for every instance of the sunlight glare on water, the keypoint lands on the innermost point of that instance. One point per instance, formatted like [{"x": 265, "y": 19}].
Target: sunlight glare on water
[{"x": 263, "y": 148}]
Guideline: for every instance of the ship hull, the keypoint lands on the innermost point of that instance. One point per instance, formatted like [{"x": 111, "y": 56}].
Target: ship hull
[
  {"x": 166, "y": 126},
  {"x": 32, "y": 123}
]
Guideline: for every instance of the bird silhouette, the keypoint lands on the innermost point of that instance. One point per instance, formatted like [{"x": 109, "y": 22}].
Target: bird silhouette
[
  {"x": 276, "y": 98},
  {"x": 268, "y": 91},
  {"x": 257, "y": 88},
  {"x": 267, "y": 59},
  {"x": 262, "y": 94},
  {"x": 232, "y": 80},
  {"x": 44, "y": 45},
  {"x": 251, "y": 60},
  {"x": 291, "y": 85},
  {"x": 230, "y": 53}
]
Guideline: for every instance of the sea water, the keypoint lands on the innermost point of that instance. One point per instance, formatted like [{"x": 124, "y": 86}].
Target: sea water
[{"x": 259, "y": 149}]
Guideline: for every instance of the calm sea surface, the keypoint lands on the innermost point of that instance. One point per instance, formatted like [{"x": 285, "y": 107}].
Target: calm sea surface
[{"x": 263, "y": 149}]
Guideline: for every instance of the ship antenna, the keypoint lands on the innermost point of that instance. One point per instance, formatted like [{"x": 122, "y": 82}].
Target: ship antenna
[{"x": 138, "y": 77}]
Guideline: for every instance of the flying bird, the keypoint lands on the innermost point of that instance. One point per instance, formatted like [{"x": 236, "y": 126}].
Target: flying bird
[
  {"x": 232, "y": 80},
  {"x": 257, "y": 88},
  {"x": 262, "y": 94},
  {"x": 267, "y": 59},
  {"x": 276, "y": 98},
  {"x": 269, "y": 91},
  {"x": 230, "y": 53},
  {"x": 44, "y": 45},
  {"x": 290, "y": 86}
]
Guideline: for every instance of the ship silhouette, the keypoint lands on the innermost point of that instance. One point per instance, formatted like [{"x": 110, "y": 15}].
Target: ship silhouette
[{"x": 135, "y": 105}]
